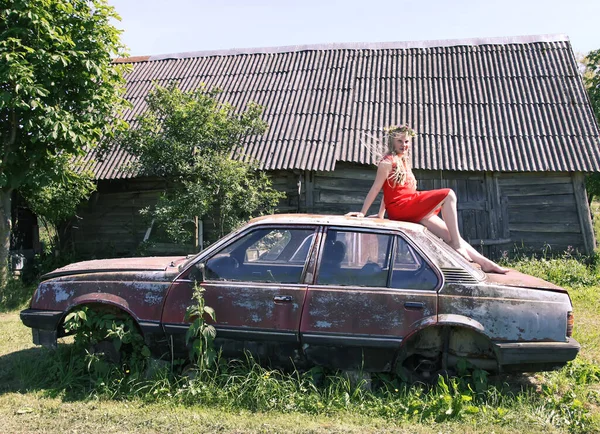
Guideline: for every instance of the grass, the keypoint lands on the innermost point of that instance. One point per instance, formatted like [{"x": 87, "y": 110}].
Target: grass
[
  {"x": 54, "y": 392},
  {"x": 45, "y": 391}
]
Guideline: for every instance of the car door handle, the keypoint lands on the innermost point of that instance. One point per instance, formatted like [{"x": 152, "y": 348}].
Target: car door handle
[
  {"x": 414, "y": 305},
  {"x": 282, "y": 298}
]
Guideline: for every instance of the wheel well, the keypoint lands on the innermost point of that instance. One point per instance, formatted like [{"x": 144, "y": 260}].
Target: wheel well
[
  {"x": 98, "y": 307},
  {"x": 444, "y": 346}
]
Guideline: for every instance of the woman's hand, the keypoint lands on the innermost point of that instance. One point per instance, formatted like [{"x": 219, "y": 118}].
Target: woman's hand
[{"x": 354, "y": 214}]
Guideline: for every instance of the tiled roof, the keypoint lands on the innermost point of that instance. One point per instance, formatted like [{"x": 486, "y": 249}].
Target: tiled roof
[{"x": 501, "y": 104}]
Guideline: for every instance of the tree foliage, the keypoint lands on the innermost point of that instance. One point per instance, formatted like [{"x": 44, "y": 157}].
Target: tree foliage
[
  {"x": 187, "y": 139},
  {"x": 55, "y": 195},
  {"x": 59, "y": 92},
  {"x": 591, "y": 79}
]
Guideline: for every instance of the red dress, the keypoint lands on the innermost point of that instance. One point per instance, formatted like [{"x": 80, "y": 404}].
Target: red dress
[{"x": 404, "y": 202}]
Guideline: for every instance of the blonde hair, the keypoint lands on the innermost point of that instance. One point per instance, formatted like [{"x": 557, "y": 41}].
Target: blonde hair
[{"x": 403, "y": 163}]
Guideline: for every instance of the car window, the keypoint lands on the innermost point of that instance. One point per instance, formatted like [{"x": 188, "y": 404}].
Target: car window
[
  {"x": 274, "y": 255},
  {"x": 410, "y": 270},
  {"x": 355, "y": 259}
]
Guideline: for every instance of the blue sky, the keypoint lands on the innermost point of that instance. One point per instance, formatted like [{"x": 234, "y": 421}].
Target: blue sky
[{"x": 165, "y": 27}]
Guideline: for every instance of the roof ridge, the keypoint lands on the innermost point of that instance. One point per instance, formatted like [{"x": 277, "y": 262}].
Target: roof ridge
[{"x": 502, "y": 40}]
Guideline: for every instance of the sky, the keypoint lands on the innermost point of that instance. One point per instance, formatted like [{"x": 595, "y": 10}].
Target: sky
[{"x": 153, "y": 27}]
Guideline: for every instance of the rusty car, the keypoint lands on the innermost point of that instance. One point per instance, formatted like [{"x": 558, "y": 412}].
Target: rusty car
[{"x": 342, "y": 292}]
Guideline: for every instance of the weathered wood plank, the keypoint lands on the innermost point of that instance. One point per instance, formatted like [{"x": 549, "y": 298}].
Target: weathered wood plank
[
  {"x": 350, "y": 197},
  {"x": 583, "y": 210},
  {"x": 567, "y": 238},
  {"x": 479, "y": 205},
  {"x": 345, "y": 173},
  {"x": 563, "y": 227},
  {"x": 343, "y": 184},
  {"x": 476, "y": 242},
  {"x": 447, "y": 175},
  {"x": 542, "y": 180},
  {"x": 542, "y": 209},
  {"x": 522, "y": 175},
  {"x": 494, "y": 206},
  {"x": 532, "y": 215},
  {"x": 537, "y": 190},
  {"x": 469, "y": 229},
  {"x": 558, "y": 199},
  {"x": 504, "y": 219},
  {"x": 309, "y": 187}
]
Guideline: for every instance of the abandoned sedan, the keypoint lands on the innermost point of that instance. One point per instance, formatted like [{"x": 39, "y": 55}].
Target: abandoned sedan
[{"x": 335, "y": 291}]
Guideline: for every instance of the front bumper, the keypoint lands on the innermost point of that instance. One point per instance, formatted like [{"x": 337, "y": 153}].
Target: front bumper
[
  {"x": 44, "y": 325},
  {"x": 534, "y": 356}
]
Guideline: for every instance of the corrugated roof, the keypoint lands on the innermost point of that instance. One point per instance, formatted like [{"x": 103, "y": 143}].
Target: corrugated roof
[{"x": 500, "y": 104}]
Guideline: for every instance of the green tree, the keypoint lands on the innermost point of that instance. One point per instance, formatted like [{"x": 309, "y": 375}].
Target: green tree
[
  {"x": 591, "y": 79},
  {"x": 186, "y": 138},
  {"x": 59, "y": 93},
  {"x": 54, "y": 197}
]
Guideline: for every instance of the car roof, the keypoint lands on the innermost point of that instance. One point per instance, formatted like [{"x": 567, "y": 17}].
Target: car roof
[{"x": 336, "y": 220}]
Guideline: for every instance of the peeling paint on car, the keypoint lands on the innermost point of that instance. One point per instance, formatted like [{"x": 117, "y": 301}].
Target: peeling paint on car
[
  {"x": 60, "y": 294},
  {"x": 323, "y": 324}
]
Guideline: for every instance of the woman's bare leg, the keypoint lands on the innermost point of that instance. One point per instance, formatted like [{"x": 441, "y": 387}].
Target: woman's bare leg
[
  {"x": 438, "y": 227},
  {"x": 451, "y": 221}
]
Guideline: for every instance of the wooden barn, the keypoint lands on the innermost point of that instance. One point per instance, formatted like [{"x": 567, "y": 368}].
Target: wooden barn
[{"x": 505, "y": 122}]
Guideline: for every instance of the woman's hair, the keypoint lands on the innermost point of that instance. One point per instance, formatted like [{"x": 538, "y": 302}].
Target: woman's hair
[{"x": 398, "y": 174}]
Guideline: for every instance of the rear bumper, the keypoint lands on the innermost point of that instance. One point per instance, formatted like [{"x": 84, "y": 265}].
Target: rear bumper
[
  {"x": 44, "y": 325},
  {"x": 535, "y": 356}
]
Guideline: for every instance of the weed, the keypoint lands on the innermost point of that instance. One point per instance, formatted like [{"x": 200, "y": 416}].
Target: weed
[
  {"x": 107, "y": 337},
  {"x": 200, "y": 334}
]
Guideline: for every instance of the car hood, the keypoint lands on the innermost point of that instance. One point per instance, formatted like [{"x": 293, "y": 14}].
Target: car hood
[
  {"x": 516, "y": 278},
  {"x": 156, "y": 263}
]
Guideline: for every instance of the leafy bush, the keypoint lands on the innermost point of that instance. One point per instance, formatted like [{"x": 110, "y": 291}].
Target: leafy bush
[{"x": 107, "y": 336}]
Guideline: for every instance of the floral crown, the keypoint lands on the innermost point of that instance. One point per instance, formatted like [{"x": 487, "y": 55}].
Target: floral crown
[{"x": 400, "y": 129}]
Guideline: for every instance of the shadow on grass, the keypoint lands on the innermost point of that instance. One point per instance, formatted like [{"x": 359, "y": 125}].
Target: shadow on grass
[
  {"x": 62, "y": 373},
  {"x": 53, "y": 372},
  {"x": 15, "y": 295}
]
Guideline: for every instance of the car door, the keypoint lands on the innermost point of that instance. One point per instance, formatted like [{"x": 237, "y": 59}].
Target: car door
[
  {"x": 370, "y": 291},
  {"x": 255, "y": 285}
]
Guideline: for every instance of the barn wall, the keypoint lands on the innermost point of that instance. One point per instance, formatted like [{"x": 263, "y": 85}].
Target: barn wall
[
  {"x": 110, "y": 224},
  {"x": 498, "y": 212},
  {"x": 344, "y": 190},
  {"x": 547, "y": 211}
]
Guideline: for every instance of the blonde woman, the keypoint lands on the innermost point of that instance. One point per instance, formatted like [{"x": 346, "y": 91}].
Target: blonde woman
[{"x": 404, "y": 202}]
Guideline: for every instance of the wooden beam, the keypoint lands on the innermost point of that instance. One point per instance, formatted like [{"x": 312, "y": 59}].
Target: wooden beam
[
  {"x": 476, "y": 242},
  {"x": 309, "y": 188},
  {"x": 493, "y": 204},
  {"x": 585, "y": 219}
]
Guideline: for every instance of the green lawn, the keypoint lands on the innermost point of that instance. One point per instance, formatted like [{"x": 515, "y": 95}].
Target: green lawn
[
  {"x": 537, "y": 403},
  {"x": 43, "y": 391}
]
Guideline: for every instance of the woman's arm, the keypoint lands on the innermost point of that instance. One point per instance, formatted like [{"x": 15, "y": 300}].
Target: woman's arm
[
  {"x": 381, "y": 212},
  {"x": 383, "y": 171}
]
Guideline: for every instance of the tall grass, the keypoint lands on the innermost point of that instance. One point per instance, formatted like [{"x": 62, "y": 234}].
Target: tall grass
[
  {"x": 555, "y": 400},
  {"x": 570, "y": 269},
  {"x": 15, "y": 295}
]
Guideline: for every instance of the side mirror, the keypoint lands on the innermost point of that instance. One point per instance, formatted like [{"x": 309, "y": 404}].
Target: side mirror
[{"x": 200, "y": 273}]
